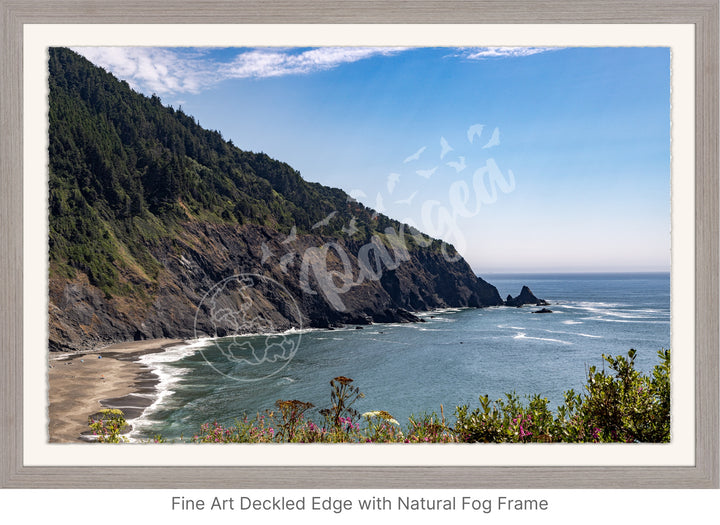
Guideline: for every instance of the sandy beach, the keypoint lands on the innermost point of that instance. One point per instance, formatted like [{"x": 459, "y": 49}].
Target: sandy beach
[{"x": 83, "y": 383}]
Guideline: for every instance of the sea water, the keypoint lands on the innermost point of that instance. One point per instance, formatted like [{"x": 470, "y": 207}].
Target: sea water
[{"x": 451, "y": 359}]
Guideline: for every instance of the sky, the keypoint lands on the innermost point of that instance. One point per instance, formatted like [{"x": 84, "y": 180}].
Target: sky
[{"x": 525, "y": 159}]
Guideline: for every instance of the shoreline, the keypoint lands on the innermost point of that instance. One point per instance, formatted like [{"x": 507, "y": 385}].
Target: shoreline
[{"x": 85, "y": 382}]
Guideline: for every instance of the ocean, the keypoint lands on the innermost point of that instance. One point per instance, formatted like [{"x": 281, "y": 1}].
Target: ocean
[{"x": 451, "y": 359}]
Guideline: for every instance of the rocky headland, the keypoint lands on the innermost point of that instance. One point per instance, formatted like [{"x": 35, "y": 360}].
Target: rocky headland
[{"x": 152, "y": 215}]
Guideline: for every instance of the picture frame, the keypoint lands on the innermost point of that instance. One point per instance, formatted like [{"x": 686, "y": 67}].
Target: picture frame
[{"x": 703, "y": 14}]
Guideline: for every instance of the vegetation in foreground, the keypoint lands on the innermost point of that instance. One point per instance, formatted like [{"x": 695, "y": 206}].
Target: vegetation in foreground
[{"x": 619, "y": 405}]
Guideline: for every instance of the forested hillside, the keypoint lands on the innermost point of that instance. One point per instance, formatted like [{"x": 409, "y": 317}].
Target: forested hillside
[{"x": 147, "y": 210}]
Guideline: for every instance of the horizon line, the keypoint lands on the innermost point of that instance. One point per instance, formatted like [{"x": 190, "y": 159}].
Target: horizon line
[{"x": 575, "y": 272}]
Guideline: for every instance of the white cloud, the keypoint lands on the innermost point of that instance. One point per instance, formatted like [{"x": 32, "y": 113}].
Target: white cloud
[
  {"x": 272, "y": 63},
  {"x": 504, "y": 52},
  {"x": 154, "y": 70},
  {"x": 173, "y": 71}
]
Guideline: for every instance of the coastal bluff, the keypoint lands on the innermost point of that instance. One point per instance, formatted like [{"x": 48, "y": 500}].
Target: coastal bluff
[
  {"x": 149, "y": 212},
  {"x": 201, "y": 255}
]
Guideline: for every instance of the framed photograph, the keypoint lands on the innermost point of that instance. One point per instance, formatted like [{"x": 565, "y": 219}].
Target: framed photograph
[{"x": 339, "y": 245}]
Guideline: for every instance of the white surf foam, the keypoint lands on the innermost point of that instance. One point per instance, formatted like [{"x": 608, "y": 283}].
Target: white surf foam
[
  {"x": 168, "y": 376},
  {"x": 573, "y": 333},
  {"x": 523, "y": 335},
  {"x": 616, "y": 310}
]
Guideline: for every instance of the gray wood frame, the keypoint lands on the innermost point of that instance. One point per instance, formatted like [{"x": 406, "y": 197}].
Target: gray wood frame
[{"x": 702, "y": 13}]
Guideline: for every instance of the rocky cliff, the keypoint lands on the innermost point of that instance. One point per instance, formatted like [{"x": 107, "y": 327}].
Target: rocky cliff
[
  {"x": 160, "y": 228},
  {"x": 205, "y": 255}
]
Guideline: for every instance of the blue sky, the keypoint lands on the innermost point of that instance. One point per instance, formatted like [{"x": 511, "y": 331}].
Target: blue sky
[{"x": 526, "y": 159}]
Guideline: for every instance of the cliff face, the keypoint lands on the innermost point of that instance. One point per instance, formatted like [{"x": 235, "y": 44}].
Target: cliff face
[
  {"x": 204, "y": 255},
  {"x": 151, "y": 216}
]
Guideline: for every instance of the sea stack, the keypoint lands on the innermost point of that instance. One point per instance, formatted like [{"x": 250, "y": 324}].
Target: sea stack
[{"x": 525, "y": 297}]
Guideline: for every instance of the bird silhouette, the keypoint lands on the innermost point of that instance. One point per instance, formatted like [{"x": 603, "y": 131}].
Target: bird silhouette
[
  {"x": 446, "y": 148},
  {"x": 379, "y": 204},
  {"x": 325, "y": 221},
  {"x": 459, "y": 166},
  {"x": 292, "y": 237},
  {"x": 475, "y": 129},
  {"x": 392, "y": 181},
  {"x": 415, "y": 156},
  {"x": 286, "y": 260},
  {"x": 266, "y": 253},
  {"x": 494, "y": 140},
  {"x": 352, "y": 229},
  {"x": 355, "y": 195},
  {"x": 426, "y": 173},
  {"x": 407, "y": 201}
]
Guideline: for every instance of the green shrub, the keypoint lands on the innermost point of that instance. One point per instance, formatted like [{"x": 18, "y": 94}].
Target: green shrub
[
  {"x": 107, "y": 425},
  {"x": 619, "y": 405},
  {"x": 625, "y": 405}
]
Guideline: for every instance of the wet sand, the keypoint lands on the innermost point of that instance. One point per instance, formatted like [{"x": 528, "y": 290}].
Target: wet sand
[{"x": 80, "y": 384}]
